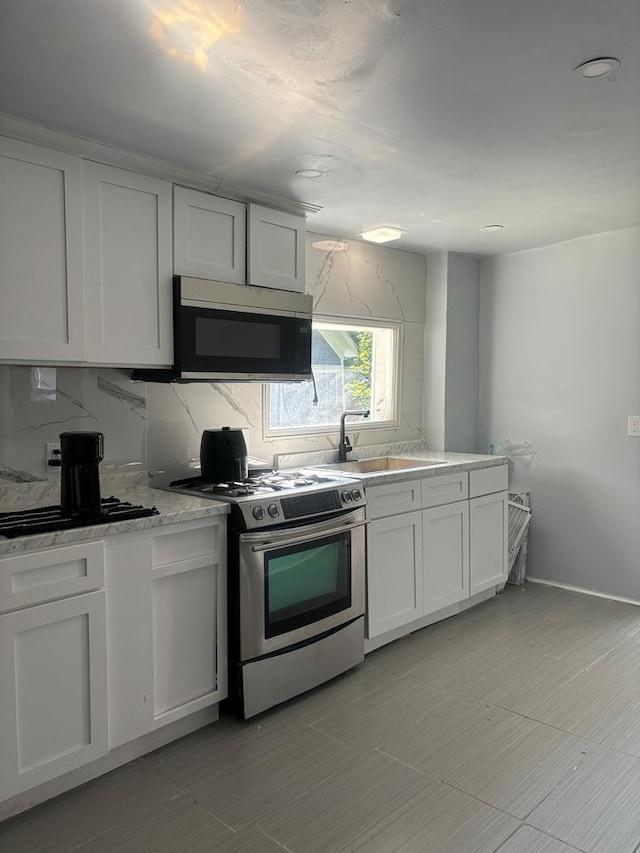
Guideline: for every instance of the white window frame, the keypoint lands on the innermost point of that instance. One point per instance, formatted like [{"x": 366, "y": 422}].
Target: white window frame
[{"x": 330, "y": 429}]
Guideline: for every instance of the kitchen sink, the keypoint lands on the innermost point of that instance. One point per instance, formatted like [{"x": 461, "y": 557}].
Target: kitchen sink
[{"x": 381, "y": 463}]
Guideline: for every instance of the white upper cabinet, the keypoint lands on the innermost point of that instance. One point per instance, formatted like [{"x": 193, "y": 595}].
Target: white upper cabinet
[
  {"x": 209, "y": 236},
  {"x": 275, "y": 249},
  {"x": 127, "y": 255},
  {"x": 41, "y": 292}
]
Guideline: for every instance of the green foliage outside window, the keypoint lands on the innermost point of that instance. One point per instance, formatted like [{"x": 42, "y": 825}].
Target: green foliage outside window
[{"x": 360, "y": 367}]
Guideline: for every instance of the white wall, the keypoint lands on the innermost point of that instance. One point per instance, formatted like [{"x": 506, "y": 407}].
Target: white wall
[
  {"x": 435, "y": 349},
  {"x": 451, "y": 352},
  {"x": 461, "y": 402},
  {"x": 560, "y": 367}
]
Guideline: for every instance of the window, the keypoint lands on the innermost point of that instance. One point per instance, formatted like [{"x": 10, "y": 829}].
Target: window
[{"x": 355, "y": 367}]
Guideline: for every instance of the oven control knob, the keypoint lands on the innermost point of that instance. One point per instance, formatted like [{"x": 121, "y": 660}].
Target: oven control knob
[
  {"x": 355, "y": 494},
  {"x": 346, "y": 495},
  {"x": 258, "y": 513},
  {"x": 273, "y": 510}
]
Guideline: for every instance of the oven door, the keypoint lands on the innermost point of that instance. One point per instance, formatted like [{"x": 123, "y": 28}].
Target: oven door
[{"x": 300, "y": 582}]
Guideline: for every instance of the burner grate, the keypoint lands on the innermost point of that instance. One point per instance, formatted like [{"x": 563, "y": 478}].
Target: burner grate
[{"x": 26, "y": 522}]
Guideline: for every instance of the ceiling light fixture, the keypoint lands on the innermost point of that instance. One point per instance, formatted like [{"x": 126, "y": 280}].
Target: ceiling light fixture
[
  {"x": 489, "y": 228},
  {"x": 382, "y": 235},
  {"x": 594, "y": 69},
  {"x": 330, "y": 245},
  {"x": 309, "y": 173}
]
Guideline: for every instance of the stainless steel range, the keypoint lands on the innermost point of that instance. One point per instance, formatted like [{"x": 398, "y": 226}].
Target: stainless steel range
[{"x": 296, "y": 583}]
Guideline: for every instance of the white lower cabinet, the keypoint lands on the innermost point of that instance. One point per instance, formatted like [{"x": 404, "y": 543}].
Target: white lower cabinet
[
  {"x": 394, "y": 572},
  {"x": 185, "y": 603},
  {"x": 424, "y": 561},
  {"x": 167, "y": 626},
  {"x": 445, "y": 531},
  {"x": 53, "y": 701},
  {"x": 488, "y": 538}
]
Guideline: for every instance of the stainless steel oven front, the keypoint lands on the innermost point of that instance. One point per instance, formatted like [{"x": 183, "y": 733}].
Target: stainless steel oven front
[{"x": 299, "y": 583}]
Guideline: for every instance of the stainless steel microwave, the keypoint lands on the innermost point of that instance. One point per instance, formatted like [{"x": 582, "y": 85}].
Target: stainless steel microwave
[{"x": 237, "y": 332}]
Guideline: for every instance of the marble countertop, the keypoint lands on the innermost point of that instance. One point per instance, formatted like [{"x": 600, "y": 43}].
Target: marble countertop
[
  {"x": 445, "y": 463},
  {"x": 173, "y": 508}
]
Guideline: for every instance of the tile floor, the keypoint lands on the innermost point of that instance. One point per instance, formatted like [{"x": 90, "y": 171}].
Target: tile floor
[{"x": 514, "y": 727}]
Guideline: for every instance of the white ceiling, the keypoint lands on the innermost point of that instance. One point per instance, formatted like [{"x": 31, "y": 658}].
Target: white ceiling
[{"x": 438, "y": 116}]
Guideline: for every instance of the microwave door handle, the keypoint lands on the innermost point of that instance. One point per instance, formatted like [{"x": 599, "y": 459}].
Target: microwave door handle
[{"x": 309, "y": 537}]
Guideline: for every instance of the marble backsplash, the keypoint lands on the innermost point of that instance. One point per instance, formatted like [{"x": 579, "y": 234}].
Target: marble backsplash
[
  {"x": 37, "y": 404},
  {"x": 364, "y": 281},
  {"x": 159, "y": 426}
]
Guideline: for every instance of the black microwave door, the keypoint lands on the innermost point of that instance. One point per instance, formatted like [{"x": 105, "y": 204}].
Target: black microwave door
[{"x": 215, "y": 341}]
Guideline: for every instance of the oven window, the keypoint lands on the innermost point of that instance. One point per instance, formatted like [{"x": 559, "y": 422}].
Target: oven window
[{"x": 306, "y": 583}]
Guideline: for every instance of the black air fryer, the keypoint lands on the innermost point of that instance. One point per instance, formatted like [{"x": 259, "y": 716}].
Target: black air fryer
[
  {"x": 80, "y": 455},
  {"x": 223, "y": 455}
]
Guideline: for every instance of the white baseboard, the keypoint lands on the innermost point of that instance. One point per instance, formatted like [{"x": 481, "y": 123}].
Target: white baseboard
[{"x": 584, "y": 591}]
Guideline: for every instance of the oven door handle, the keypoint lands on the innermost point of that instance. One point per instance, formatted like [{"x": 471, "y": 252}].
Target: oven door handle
[{"x": 309, "y": 537}]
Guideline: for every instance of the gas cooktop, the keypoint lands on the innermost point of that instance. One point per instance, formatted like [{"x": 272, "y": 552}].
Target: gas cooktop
[{"x": 271, "y": 497}]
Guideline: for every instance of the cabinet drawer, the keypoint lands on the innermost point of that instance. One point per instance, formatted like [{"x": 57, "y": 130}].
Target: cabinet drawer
[
  {"x": 445, "y": 489},
  {"x": 485, "y": 481},
  {"x": 177, "y": 545},
  {"x": 34, "y": 578},
  {"x": 393, "y": 499}
]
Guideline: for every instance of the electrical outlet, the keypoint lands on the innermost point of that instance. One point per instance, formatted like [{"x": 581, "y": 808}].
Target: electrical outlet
[
  {"x": 52, "y": 454},
  {"x": 633, "y": 425}
]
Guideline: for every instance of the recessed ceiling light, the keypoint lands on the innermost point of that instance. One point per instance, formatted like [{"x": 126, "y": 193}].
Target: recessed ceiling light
[
  {"x": 309, "y": 173},
  {"x": 603, "y": 66},
  {"x": 330, "y": 245},
  {"x": 382, "y": 235},
  {"x": 493, "y": 228}
]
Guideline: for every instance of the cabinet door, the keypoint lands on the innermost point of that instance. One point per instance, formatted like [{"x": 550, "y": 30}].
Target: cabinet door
[
  {"x": 189, "y": 637},
  {"x": 394, "y": 572},
  {"x": 276, "y": 249},
  {"x": 42, "y": 315},
  {"x": 127, "y": 221},
  {"x": 53, "y": 701},
  {"x": 209, "y": 236},
  {"x": 488, "y": 541},
  {"x": 128, "y": 571},
  {"x": 445, "y": 534}
]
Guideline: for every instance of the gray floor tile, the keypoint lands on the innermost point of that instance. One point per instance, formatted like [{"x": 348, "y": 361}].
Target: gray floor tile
[
  {"x": 443, "y": 821},
  {"x": 597, "y": 809},
  {"x": 358, "y": 682},
  {"x": 591, "y": 705},
  {"x": 528, "y": 840},
  {"x": 441, "y": 740},
  {"x": 191, "y": 830},
  {"x": 366, "y": 722},
  {"x": 251, "y": 840},
  {"x": 117, "y": 806},
  {"x": 380, "y": 805},
  {"x": 518, "y": 683},
  {"x": 239, "y": 790},
  {"x": 501, "y": 758}
]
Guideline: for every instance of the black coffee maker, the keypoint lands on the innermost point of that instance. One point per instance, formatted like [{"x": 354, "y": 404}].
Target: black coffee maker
[{"x": 80, "y": 455}]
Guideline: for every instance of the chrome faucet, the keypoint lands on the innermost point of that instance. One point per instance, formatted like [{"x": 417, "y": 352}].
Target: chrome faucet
[{"x": 344, "y": 445}]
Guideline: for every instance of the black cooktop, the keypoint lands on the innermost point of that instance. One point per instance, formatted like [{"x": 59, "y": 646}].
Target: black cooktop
[{"x": 26, "y": 522}]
